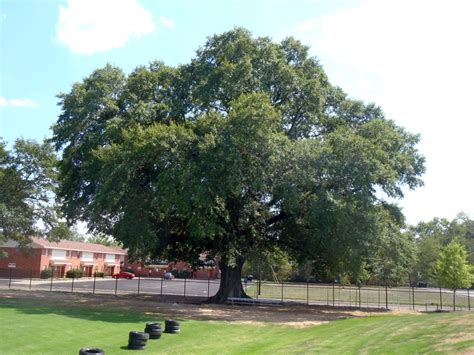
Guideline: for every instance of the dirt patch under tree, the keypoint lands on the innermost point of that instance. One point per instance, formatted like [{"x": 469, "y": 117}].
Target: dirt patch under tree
[{"x": 298, "y": 315}]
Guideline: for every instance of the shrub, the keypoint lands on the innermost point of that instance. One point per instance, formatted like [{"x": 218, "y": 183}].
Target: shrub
[
  {"x": 74, "y": 273},
  {"x": 46, "y": 273},
  {"x": 99, "y": 274}
]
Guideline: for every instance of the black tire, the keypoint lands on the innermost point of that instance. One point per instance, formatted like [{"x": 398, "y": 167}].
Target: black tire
[
  {"x": 136, "y": 347},
  {"x": 148, "y": 330},
  {"x": 154, "y": 332},
  {"x": 155, "y": 336},
  {"x": 138, "y": 335},
  {"x": 175, "y": 327},
  {"x": 91, "y": 351},
  {"x": 150, "y": 327},
  {"x": 137, "y": 342},
  {"x": 153, "y": 324},
  {"x": 171, "y": 322}
]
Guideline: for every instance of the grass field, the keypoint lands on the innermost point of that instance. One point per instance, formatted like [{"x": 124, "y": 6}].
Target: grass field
[{"x": 28, "y": 327}]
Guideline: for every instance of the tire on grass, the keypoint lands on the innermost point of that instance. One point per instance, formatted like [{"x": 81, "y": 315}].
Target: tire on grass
[
  {"x": 171, "y": 322},
  {"x": 136, "y": 347},
  {"x": 136, "y": 343},
  {"x": 91, "y": 351},
  {"x": 136, "y": 335}
]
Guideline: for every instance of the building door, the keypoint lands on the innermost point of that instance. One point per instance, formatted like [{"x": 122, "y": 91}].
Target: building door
[
  {"x": 87, "y": 271},
  {"x": 59, "y": 270}
]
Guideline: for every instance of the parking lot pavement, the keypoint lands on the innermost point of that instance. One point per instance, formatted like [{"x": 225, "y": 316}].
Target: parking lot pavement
[{"x": 155, "y": 286}]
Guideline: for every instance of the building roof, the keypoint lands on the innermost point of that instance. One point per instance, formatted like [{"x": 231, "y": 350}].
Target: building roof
[{"x": 77, "y": 246}]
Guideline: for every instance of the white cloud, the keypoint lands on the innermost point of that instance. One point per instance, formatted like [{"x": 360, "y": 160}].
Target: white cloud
[
  {"x": 91, "y": 26},
  {"x": 17, "y": 103},
  {"x": 167, "y": 22},
  {"x": 414, "y": 58}
]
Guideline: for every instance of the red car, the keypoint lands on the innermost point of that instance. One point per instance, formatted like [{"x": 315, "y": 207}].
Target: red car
[{"x": 123, "y": 275}]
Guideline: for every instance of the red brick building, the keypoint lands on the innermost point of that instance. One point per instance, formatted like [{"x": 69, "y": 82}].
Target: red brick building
[
  {"x": 63, "y": 256},
  {"x": 158, "y": 270},
  {"x": 67, "y": 255}
]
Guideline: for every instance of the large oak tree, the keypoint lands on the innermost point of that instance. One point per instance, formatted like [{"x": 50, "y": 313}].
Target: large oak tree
[{"x": 248, "y": 147}]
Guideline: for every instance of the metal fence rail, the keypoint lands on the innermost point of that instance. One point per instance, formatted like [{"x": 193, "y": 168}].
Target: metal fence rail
[{"x": 333, "y": 295}]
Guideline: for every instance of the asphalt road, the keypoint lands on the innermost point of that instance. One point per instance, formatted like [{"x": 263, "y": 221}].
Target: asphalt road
[{"x": 154, "y": 286}]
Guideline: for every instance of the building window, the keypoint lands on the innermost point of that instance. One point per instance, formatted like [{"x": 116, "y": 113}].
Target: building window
[
  {"x": 50, "y": 252},
  {"x": 68, "y": 254}
]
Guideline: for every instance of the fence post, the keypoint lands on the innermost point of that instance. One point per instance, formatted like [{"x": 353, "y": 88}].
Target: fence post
[
  {"x": 307, "y": 292},
  {"x": 386, "y": 297},
  {"x": 468, "y": 300},
  {"x": 367, "y": 297},
  {"x": 31, "y": 277},
  {"x": 93, "y": 287},
  {"x": 454, "y": 300},
  {"x": 282, "y": 291},
  {"x": 52, "y": 276},
  {"x": 378, "y": 295},
  {"x": 259, "y": 288},
  {"x": 72, "y": 283},
  {"x": 333, "y": 294},
  {"x": 10, "y": 281},
  {"x": 161, "y": 288},
  {"x": 116, "y": 285},
  {"x": 440, "y": 299},
  {"x": 360, "y": 299},
  {"x": 208, "y": 285},
  {"x": 138, "y": 290},
  {"x": 413, "y": 296},
  {"x": 184, "y": 287}
]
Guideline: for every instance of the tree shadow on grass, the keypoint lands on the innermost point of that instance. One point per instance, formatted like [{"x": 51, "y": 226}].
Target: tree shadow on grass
[{"x": 83, "y": 312}]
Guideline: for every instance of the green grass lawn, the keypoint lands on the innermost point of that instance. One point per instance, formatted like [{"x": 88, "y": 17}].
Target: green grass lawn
[{"x": 31, "y": 328}]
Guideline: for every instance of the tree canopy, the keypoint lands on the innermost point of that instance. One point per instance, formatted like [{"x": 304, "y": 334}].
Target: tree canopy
[
  {"x": 27, "y": 186},
  {"x": 248, "y": 147},
  {"x": 452, "y": 268},
  {"x": 432, "y": 236}
]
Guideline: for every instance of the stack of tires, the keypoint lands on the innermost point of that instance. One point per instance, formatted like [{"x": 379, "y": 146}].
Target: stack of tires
[
  {"x": 154, "y": 330},
  {"x": 172, "y": 326},
  {"x": 91, "y": 351},
  {"x": 137, "y": 340}
]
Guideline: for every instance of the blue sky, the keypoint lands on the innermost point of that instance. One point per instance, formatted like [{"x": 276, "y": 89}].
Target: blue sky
[{"x": 414, "y": 58}]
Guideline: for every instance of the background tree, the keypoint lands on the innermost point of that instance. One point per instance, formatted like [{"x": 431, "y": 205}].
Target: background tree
[
  {"x": 432, "y": 236},
  {"x": 27, "y": 192},
  {"x": 246, "y": 148},
  {"x": 268, "y": 265},
  {"x": 396, "y": 256},
  {"x": 453, "y": 270},
  {"x": 104, "y": 240}
]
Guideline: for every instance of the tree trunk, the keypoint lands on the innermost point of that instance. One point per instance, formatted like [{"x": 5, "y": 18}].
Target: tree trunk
[{"x": 231, "y": 282}]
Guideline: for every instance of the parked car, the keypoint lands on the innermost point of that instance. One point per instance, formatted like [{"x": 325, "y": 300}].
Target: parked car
[
  {"x": 123, "y": 275},
  {"x": 168, "y": 276}
]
